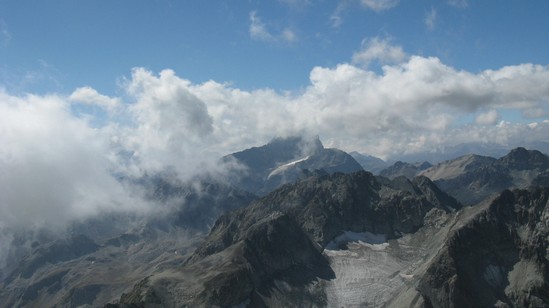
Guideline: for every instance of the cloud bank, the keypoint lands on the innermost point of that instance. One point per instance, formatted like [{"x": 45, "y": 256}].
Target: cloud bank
[{"x": 58, "y": 165}]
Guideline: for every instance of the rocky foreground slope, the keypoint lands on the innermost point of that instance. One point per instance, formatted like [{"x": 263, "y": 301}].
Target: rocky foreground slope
[
  {"x": 357, "y": 240},
  {"x": 271, "y": 252},
  {"x": 103, "y": 257}
]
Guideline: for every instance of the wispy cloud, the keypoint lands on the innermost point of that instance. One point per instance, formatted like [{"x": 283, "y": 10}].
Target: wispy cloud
[
  {"x": 258, "y": 31},
  {"x": 379, "y": 5},
  {"x": 431, "y": 19},
  {"x": 296, "y": 4},
  {"x": 379, "y": 50},
  {"x": 336, "y": 19},
  {"x": 458, "y": 3},
  {"x": 5, "y": 35}
]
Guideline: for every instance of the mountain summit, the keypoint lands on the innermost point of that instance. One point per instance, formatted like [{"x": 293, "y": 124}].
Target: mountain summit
[{"x": 285, "y": 160}]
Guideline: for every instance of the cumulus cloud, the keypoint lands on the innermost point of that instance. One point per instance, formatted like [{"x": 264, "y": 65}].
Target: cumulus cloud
[
  {"x": 258, "y": 31},
  {"x": 409, "y": 106},
  {"x": 380, "y": 50},
  {"x": 56, "y": 165},
  {"x": 89, "y": 96},
  {"x": 170, "y": 124}
]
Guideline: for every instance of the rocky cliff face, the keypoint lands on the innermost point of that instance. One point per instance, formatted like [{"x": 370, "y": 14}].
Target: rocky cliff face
[
  {"x": 271, "y": 253},
  {"x": 499, "y": 257},
  {"x": 345, "y": 248}
]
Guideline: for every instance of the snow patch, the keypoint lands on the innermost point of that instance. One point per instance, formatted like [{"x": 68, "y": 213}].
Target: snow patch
[{"x": 282, "y": 168}]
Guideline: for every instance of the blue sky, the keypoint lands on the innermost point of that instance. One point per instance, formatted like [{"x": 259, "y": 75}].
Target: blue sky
[{"x": 57, "y": 46}]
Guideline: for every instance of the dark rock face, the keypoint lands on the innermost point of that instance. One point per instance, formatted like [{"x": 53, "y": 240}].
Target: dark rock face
[
  {"x": 270, "y": 253},
  {"x": 498, "y": 258},
  {"x": 477, "y": 184},
  {"x": 328, "y": 205},
  {"x": 522, "y": 159},
  {"x": 286, "y": 160}
]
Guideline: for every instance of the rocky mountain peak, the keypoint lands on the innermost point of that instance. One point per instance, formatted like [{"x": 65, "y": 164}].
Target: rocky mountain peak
[
  {"x": 286, "y": 160},
  {"x": 522, "y": 159}
]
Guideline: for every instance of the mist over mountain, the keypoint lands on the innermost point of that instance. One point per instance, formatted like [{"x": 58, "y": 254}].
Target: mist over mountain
[
  {"x": 95, "y": 260},
  {"x": 369, "y": 163},
  {"x": 324, "y": 233}
]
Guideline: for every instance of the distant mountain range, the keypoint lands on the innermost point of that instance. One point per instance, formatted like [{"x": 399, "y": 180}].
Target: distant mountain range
[
  {"x": 376, "y": 165},
  {"x": 472, "y": 178},
  {"x": 297, "y": 224}
]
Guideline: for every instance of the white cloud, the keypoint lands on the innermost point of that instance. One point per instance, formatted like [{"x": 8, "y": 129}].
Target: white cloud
[
  {"x": 90, "y": 96},
  {"x": 377, "y": 49},
  {"x": 418, "y": 102},
  {"x": 53, "y": 166},
  {"x": 171, "y": 126},
  {"x": 379, "y": 5},
  {"x": 258, "y": 31},
  {"x": 490, "y": 117},
  {"x": 431, "y": 19}
]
